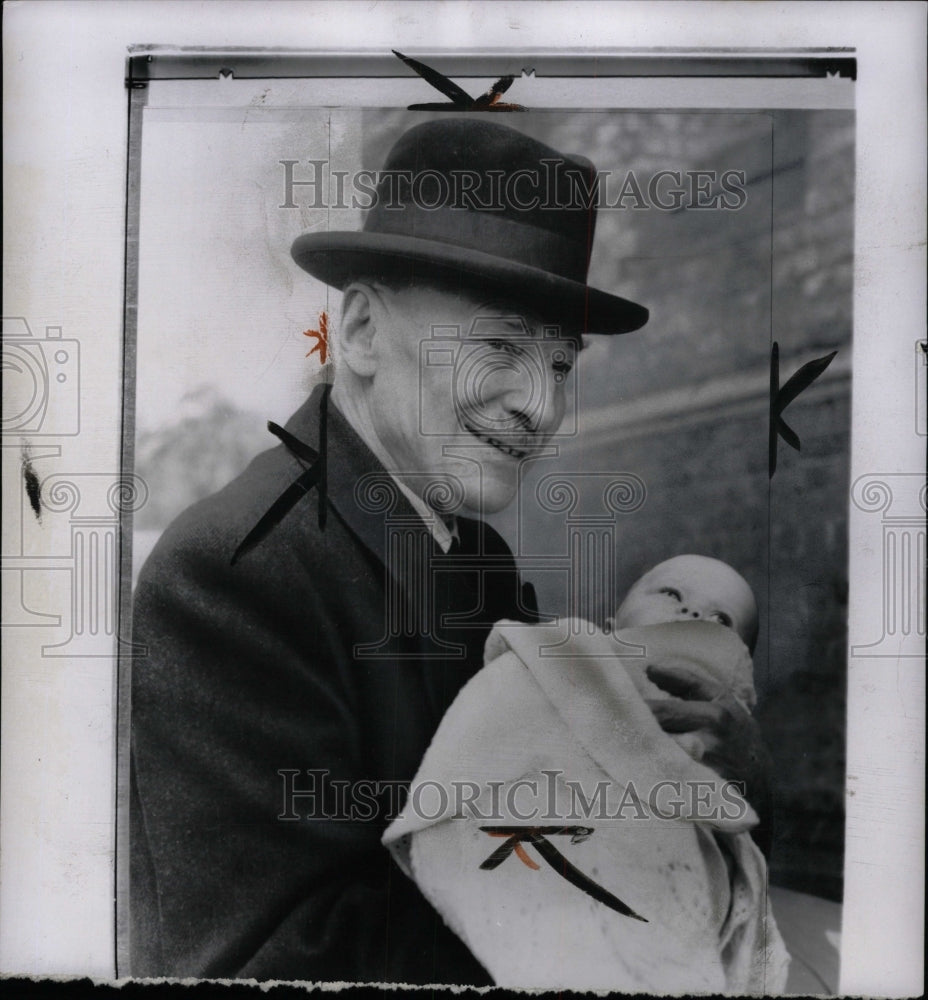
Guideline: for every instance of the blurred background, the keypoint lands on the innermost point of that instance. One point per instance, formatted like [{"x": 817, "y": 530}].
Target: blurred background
[{"x": 682, "y": 405}]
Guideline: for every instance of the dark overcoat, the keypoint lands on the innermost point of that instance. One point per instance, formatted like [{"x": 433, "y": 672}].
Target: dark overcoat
[{"x": 315, "y": 651}]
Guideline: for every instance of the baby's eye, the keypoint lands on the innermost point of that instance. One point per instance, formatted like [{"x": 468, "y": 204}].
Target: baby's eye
[
  {"x": 721, "y": 618},
  {"x": 673, "y": 592}
]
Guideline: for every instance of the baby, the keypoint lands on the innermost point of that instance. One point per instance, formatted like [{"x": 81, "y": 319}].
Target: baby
[{"x": 577, "y": 712}]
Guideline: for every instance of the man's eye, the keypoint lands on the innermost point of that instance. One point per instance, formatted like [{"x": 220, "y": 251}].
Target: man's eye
[
  {"x": 721, "y": 618},
  {"x": 675, "y": 594}
]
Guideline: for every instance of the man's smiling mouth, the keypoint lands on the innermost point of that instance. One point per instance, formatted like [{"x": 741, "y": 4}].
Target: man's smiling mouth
[{"x": 495, "y": 443}]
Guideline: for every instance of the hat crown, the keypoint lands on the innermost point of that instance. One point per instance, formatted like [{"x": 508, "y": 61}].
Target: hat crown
[{"x": 470, "y": 166}]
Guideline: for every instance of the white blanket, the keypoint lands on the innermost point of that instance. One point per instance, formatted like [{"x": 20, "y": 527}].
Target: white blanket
[{"x": 554, "y": 733}]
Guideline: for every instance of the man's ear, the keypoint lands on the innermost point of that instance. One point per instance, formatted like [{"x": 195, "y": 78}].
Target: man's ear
[{"x": 358, "y": 328}]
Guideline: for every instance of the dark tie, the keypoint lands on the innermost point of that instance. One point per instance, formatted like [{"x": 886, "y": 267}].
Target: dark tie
[{"x": 466, "y": 540}]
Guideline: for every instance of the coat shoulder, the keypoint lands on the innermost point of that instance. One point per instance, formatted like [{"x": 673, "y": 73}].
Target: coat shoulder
[{"x": 207, "y": 534}]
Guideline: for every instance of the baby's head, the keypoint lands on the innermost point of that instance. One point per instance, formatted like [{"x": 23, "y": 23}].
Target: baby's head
[{"x": 691, "y": 587}]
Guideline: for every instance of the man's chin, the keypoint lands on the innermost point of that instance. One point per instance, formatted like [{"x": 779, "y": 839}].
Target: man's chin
[{"x": 492, "y": 497}]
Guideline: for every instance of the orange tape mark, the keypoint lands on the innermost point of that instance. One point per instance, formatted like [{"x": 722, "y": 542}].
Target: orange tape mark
[{"x": 321, "y": 337}]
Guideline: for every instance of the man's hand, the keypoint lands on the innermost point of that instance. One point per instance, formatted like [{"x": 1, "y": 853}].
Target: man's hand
[{"x": 700, "y": 705}]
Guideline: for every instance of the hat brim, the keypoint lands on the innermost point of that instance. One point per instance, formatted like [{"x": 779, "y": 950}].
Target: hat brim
[{"x": 338, "y": 258}]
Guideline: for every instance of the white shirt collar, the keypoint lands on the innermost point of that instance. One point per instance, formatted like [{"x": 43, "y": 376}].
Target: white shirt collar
[{"x": 441, "y": 531}]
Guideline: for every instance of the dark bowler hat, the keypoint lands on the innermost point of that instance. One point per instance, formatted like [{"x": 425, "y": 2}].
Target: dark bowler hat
[{"x": 478, "y": 204}]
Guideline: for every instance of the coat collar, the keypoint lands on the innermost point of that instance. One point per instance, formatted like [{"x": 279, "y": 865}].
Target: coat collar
[{"x": 354, "y": 483}]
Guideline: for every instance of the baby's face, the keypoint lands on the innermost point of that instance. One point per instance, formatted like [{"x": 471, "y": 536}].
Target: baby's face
[{"x": 691, "y": 587}]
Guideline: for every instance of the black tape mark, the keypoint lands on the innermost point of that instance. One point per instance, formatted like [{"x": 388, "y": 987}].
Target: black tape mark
[
  {"x": 781, "y": 397},
  {"x": 460, "y": 99},
  {"x": 33, "y": 488},
  {"x": 315, "y": 475},
  {"x": 537, "y": 837},
  {"x": 323, "y": 455}
]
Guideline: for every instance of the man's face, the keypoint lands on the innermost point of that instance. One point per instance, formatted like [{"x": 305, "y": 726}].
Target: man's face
[{"x": 466, "y": 389}]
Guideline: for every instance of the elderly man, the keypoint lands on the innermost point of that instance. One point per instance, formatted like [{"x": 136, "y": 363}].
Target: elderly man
[{"x": 308, "y": 625}]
